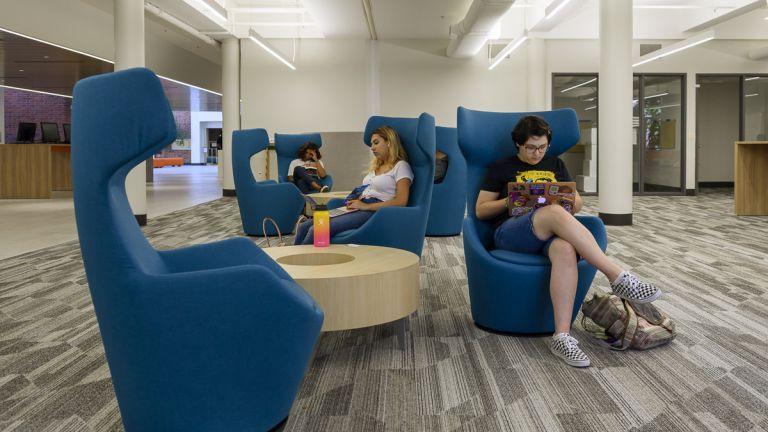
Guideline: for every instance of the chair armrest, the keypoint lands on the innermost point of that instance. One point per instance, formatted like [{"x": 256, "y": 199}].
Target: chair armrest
[
  {"x": 223, "y": 254},
  {"x": 385, "y": 224}
]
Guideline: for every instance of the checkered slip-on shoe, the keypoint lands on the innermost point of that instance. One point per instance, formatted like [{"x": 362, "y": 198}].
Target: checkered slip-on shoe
[
  {"x": 629, "y": 287},
  {"x": 567, "y": 348}
]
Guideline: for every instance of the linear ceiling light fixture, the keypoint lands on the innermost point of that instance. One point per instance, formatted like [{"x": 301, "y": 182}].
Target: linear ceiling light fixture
[
  {"x": 507, "y": 50},
  {"x": 35, "y": 91},
  {"x": 692, "y": 41},
  {"x": 752, "y": 94},
  {"x": 260, "y": 41},
  {"x": 215, "y": 8},
  {"x": 554, "y": 7},
  {"x": 156, "y": 11},
  {"x": 751, "y": 78},
  {"x": 579, "y": 85},
  {"x": 590, "y": 108},
  {"x": 719, "y": 19}
]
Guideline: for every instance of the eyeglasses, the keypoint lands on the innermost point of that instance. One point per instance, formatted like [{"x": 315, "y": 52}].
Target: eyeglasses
[{"x": 540, "y": 149}]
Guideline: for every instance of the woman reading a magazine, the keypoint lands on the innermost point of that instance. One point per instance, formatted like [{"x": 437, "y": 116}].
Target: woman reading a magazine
[
  {"x": 387, "y": 184},
  {"x": 551, "y": 231}
]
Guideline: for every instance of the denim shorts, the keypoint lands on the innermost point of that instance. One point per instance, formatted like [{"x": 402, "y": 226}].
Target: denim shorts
[{"x": 516, "y": 235}]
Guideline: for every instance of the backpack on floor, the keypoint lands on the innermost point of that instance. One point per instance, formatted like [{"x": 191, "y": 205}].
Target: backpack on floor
[{"x": 621, "y": 324}]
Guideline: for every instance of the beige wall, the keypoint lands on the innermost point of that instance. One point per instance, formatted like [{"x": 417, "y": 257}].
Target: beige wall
[
  {"x": 81, "y": 26},
  {"x": 327, "y": 93}
]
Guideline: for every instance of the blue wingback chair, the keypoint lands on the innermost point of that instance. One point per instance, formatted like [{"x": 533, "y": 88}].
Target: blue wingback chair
[
  {"x": 280, "y": 201},
  {"x": 449, "y": 198},
  {"x": 287, "y": 146},
  {"x": 509, "y": 291},
  {"x": 210, "y": 337},
  {"x": 401, "y": 227}
]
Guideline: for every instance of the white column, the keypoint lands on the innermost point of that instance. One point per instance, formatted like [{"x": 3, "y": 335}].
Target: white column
[
  {"x": 537, "y": 75},
  {"x": 230, "y": 107},
  {"x": 129, "y": 53},
  {"x": 615, "y": 119}
]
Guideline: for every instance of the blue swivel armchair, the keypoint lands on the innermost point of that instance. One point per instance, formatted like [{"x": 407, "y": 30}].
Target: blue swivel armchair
[
  {"x": 509, "y": 291},
  {"x": 257, "y": 200},
  {"x": 212, "y": 337},
  {"x": 449, "y": 198},
  {"x": 287, "y": 146},
  {"x": 401, "y": 227}
]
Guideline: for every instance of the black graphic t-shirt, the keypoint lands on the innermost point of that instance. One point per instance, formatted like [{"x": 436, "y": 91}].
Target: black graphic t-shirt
[{"x": 512, "y": 169}]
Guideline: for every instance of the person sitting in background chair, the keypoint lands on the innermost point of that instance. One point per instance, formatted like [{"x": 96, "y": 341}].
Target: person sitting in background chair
[
  {"x": 441, "y": 166},
  {"x": 551, "y": 231},
  {"x": 389, "y": 182},
  {"x": 307, "y": 168}
]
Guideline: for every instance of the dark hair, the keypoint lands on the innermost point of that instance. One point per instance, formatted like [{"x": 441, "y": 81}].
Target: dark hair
[
  {"x": 529, "y": 126},
  {"x": 308, "y": 146}
]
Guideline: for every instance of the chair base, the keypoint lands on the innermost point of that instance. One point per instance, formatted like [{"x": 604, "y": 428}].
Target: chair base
[
  {"x": 280, "y": 426},
  {"x": 443, "y": 235},
  {"x": 508, "y": 333}
]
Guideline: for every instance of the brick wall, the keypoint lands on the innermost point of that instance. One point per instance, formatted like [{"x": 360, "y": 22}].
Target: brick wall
[
  {"x": 183, "y": 124},
  {"x": 27, "y": 107},
  {"x": 185, "y": 154}
]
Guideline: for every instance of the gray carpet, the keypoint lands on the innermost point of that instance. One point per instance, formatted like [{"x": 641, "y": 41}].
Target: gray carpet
[{"x": 452, "y": 376}]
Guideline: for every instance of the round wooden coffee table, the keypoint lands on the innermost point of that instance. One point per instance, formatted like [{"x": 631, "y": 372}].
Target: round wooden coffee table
[
  {"x": 324, "y": 197},
  {"x": 356, "y": 285}
]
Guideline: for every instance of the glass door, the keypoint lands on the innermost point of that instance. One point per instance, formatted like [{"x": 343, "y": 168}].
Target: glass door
[
  {"x": 755, "y": 105},
  {"x": 579, "y": 92},
  {"x": 659, "y": 156}
]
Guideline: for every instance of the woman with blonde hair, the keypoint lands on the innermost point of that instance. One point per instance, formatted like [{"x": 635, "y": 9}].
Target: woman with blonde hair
[{"x": 387, "y": 184}]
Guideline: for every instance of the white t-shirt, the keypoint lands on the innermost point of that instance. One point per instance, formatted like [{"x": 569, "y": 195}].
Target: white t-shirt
[
  {"x": 383, "y": 186},
  {"x": 298, "y": 162}
]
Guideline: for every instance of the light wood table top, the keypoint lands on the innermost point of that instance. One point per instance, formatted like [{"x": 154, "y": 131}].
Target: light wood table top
[
  {"x": 750, "y": 176},
  {"x": 356, "y": 285}
]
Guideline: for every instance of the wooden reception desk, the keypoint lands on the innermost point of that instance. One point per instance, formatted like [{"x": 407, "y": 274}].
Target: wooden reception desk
[
  {"x": 750, "y": 178},
  {"x": 34, "y": 170}
]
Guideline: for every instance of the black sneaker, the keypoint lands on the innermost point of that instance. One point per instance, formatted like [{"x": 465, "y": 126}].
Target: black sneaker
[
  {"x": 629, "y": 287},
  {"x": 567, "y": 348}
]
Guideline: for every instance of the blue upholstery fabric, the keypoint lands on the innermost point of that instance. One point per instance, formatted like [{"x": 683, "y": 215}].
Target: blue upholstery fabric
[
  {"x": 449, "y": 198},
  {"x": 402, "y": 227},
  {"x": 257, "y": 200},
  {"x": 211, "y": 337},
  {"x": 288, "y": 145},
  {"x": 510, "y": 291}
]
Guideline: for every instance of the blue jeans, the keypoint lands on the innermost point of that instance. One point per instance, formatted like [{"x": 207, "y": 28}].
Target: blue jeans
[
  {"x": 303, "y": 180},
  {"x": 305, "y": 233},
  {"x": 516, "y": 235}
]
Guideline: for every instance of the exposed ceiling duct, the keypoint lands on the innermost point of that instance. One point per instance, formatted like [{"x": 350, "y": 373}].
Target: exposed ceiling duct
[{"x": 470, "y": 34}]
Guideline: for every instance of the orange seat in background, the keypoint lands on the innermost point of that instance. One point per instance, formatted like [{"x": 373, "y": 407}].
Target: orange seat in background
[{"x": 161, "y": 162}]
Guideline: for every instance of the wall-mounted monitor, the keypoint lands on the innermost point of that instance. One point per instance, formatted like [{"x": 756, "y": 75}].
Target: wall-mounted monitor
[
  {"x": 67, "y": 132},
  {"x": 50, "y": 132},
  {"x": 26, "y": 132}
]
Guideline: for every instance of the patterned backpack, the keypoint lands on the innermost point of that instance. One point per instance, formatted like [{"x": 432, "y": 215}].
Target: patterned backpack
[{"x": 621, "y": 324}]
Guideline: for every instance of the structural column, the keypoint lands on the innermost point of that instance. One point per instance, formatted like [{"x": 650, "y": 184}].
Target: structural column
[
  {"x": 230, "y": 104},
  {"x": 615, "y": 118},
  {"x": 537, "y": 75},
  {"x": 129, "y": 53}
]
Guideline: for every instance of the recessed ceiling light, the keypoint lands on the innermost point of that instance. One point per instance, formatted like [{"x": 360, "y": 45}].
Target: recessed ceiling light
[
  {"x": 45, "y": 57},
  {"x": 21, "y": 70}
]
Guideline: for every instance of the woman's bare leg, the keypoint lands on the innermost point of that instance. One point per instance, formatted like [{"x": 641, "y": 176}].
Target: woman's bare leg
[
  {"x": 555, "y": 220},
  {"x": 563, "y": 281}
]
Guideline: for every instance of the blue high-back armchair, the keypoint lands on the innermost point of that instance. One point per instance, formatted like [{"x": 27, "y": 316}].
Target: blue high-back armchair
[
  {"x": 211, "y": 337},
  {"x": 449, "y": 198},
  {"x": 509, "y": 291},
  {"x": 401, "y": 227},
  {"x": 283, "y": 203},
  {"x": 287, "y": 147}
]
